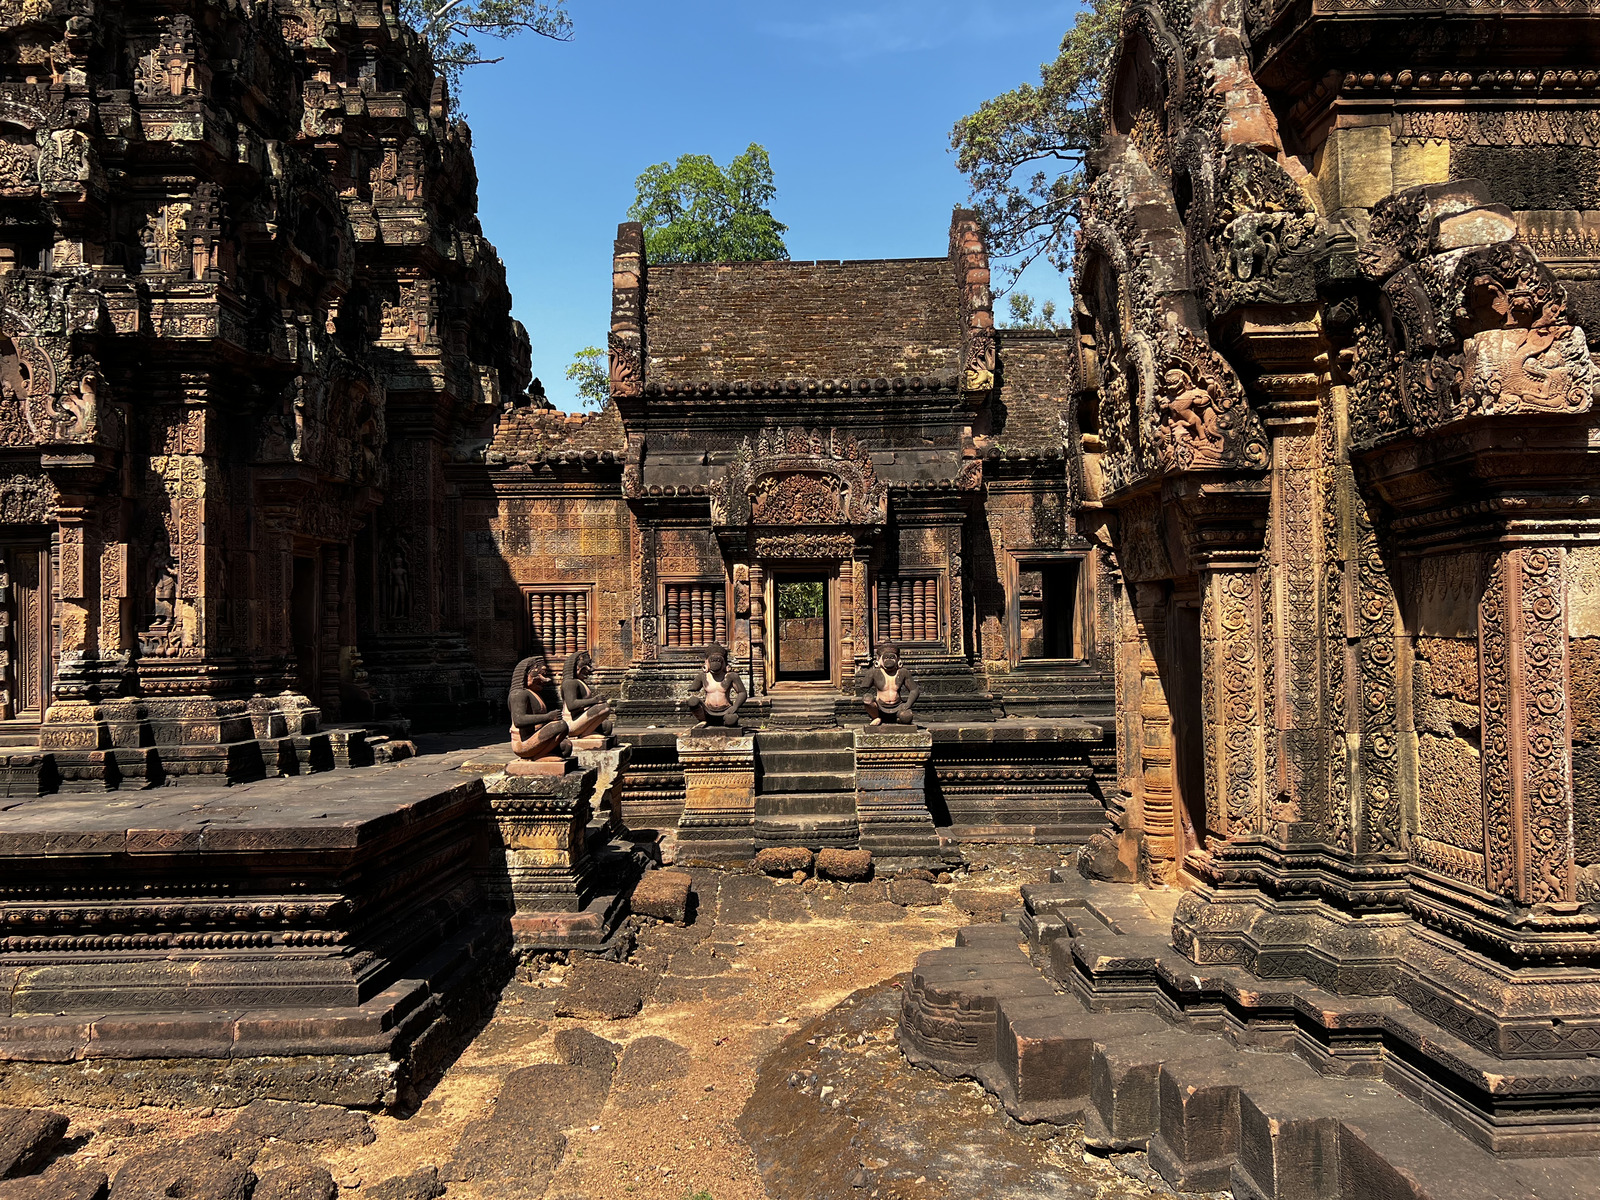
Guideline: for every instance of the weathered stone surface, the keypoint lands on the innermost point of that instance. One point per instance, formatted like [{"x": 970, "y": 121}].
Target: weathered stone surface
[
  {"x": 913, "y": 893},
  {"x": 419, "y": 1185},
  {"x": 663, "y": 895},
  {"x": 296, "y": 1181},
  {"x": 27, "y": 1138},
  {"x": 844, "y": 865},
  {"x": 604, "y": 990},
  {"x": 305, "y": 1124},
  {"x": 650, "y": 1061},
  {"x": 580, "y": 1048},
  {"x": 212, "y": 1167},
  {"x": 783, "y": 860},
  {"x": 62, "y": 1180}
]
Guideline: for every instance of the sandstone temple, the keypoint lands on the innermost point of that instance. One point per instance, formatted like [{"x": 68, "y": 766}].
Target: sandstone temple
[{"x": 1272, "y": 584}]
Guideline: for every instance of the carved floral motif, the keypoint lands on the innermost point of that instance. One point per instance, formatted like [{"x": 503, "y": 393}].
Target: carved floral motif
[{"x": 800, "y": 477}]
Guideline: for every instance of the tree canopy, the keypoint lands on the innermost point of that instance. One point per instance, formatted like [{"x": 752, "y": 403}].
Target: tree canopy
[
  {"x": 1024, "y": 152},
  {"x": 590, "y": 371},
  {"x": 695, "y": 211},
  {"x": 449, "y": 26},
  {"x": 1023, "y": 315}
]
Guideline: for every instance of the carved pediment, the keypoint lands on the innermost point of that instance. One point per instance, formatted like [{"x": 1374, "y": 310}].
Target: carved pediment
[{"x": 799, "y": 477}]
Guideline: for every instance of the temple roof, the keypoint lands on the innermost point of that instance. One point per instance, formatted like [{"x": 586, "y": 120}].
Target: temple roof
[
  {"x": 534, "y": 431},
  {"x": 812, "y": 320}
]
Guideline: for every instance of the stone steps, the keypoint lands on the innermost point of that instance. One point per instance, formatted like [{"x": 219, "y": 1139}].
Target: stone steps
[
  {"x": 1211, "y": 1113},
  {"x": 811, "y": 830},
  {"x": 839, "y": 762},
  {"x": 793, "y": 804},
  {"x": 808, "y": 781}
]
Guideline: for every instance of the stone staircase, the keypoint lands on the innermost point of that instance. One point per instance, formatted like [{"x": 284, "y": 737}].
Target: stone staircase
[
  {"x": 806, "y": 788},
  {"x": 1077, "y": 1008},
  {"x": 802, "y": 707}
]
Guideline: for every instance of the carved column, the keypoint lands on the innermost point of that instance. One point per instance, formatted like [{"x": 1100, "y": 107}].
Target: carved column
[
  {"x": 862, "y": 639},
  {"x": 645, "y": 648},
  {"x": 758, "y": 631},
  {"x": 1154, "y": 767},
  {"x": 1298, "y": 788}
]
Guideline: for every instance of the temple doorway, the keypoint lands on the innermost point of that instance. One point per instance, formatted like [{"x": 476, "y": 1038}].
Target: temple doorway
[
  {"x": 27, "y": 650},
  {"x": 801, "y": 625}
]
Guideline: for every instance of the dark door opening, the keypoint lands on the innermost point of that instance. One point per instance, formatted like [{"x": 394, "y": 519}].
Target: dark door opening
[
  {"x": 29, "y": 651},
  {"x": 304, "y": 627},
  {"x": 1047, "y": 602},
  {"x": 800, "y": 605},
  {"x": 1188, "y": 739}
]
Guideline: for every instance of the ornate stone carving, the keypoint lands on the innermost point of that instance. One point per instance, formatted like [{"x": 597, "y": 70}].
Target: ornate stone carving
[
  {"x": 800, "y": 477},
  {"x": 1265, "y": 237},
  {"x": 804, "y": 545},
  {"x": 26, "y": 500},
  {"x": 1474, "y": 324},
  {"x": 1202, "y": 419}
]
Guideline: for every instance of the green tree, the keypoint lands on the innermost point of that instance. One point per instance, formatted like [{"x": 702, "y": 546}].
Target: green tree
[
  {"x": 449, "y": 26},
  {"x": 695, "y": 211},
  {"x": 590, "y": 370},
  {"x": 1024, "y": 152},
  {"x": 1023, "y": 315}
]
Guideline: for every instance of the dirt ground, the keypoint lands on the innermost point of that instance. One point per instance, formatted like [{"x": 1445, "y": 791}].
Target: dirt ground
[{"x": 762, "y": 973}]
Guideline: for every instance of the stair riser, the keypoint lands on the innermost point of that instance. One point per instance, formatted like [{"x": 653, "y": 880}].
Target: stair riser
[
  {"x": 807, "y": 783},
  {"x": 825, "y": 762},
  {"x": 816, "y": 741},
  {"x": 801, "y": 804}
]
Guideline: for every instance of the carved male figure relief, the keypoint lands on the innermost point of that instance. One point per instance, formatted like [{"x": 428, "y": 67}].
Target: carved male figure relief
[
  {"x": 537, "y": 730},
  {"x": 893, "y": 690},
  {"x": 584, "y": 712},
  {"x": 721, "y": 693}
]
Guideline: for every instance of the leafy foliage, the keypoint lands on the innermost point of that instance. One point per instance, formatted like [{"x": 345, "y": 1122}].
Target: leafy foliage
[
  {"x": 1023, "y": 315},
  {"x": 449, "y": 26},
  {"x": 590, "y": 370},
  {"x": 800, "y": 598},
  {"x": 695, "y": 211},
  {"x": 1024, "y": 152}
]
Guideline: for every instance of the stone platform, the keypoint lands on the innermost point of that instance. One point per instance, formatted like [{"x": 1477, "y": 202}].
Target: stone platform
[
  {"x": 323, "y": 938},
  {"x": 1077, "y": 1007},
  {"x": 1036, "y": 780}
]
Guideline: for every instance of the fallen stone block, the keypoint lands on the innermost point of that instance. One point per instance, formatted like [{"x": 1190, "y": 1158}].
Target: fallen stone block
[
  {"x": 61, "y": 1181},
  {"x": 663, "y": 895},
  {"x": 552, "y": 1095},
  {"x": 580, "y": 1048},
  {"x": 27, "y": 1137},
  {"x": 303, "y": 1124},
  {"x": 201, "y": 1166},
  {"x": 518, "y": 1158},
  {"x": 419, "y": 1185},
  {"x": 847, "y": 866},
  {"x": 913, "y": 893},
  {"x": 783, "y": 860},
  {"x": 604, "y": 991},
  {"x": 296, "y": 1181},
  {"x": 649, "y": 1061}
]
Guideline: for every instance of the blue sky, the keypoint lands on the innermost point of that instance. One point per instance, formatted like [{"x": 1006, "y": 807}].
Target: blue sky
[{"x": 854, "y": 102}]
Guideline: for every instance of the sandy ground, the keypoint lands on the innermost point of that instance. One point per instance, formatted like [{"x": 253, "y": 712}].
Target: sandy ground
[{"x": 762, "y": 959}]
